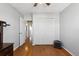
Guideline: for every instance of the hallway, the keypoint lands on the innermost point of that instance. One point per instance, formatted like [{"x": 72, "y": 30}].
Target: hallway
[{"x": 39, "y": 50}]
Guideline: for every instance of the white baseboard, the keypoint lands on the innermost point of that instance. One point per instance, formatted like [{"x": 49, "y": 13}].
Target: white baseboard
[
  {"x": 41, "y": 44},
  {"x": 69, "y": 51},
  {"x": 33, "y": 44},
  {"x": 15, "y": 48}
]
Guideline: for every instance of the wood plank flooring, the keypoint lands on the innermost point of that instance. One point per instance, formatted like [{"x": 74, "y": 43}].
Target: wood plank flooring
[
  {"x": 24, "y": 50},
  {"x": 39, "y": 50}
]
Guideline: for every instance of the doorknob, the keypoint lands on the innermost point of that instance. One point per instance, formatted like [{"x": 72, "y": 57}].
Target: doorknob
[{"x": 20, "y": 33}]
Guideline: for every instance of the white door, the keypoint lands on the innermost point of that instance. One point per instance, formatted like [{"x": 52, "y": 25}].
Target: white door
[
  {"x": 44, "y": 31},
  {"x": 22, "y": 31}
]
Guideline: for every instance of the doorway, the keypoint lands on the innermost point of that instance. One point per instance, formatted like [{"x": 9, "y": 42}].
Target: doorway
[{"x": 29, "y": 30}]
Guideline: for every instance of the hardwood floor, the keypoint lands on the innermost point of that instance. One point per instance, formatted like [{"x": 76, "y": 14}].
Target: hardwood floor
[
  {"x": 39, "y": 50},
  {"x": 48, "y": 51},
  {"x": 24, "y": 50}
]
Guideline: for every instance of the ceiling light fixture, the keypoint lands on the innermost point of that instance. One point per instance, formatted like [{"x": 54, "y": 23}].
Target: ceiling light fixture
[{"x": 35, "y": 4}]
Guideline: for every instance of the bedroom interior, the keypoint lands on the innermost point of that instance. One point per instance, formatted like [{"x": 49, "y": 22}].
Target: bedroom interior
[{"x": 39, "y": 29}]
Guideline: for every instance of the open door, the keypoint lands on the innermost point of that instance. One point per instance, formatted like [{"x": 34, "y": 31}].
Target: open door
[{"x": 22, "y": 31}]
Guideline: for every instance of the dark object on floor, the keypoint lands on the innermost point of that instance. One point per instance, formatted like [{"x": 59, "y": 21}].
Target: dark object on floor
[{"x": 57, "y": 44}]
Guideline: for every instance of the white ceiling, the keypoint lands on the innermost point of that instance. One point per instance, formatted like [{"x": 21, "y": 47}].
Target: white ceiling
[{"x": 25, "y": 8}]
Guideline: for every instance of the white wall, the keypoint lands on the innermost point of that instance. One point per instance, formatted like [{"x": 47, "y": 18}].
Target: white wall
[
  {"x": 70, "y": 28},
  {"x": 11, "y": 16},
  {"x": 45, "y": 28},
  {"x": 28, "y": 16}
]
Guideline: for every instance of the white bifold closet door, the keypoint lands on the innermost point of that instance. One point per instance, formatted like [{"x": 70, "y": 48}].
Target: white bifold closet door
[{"x": 44, "y": 31}]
